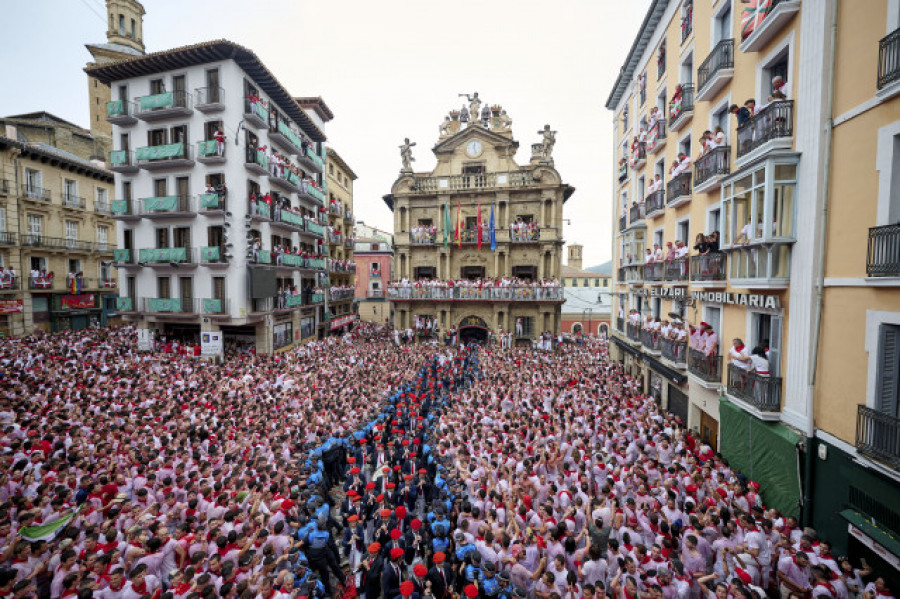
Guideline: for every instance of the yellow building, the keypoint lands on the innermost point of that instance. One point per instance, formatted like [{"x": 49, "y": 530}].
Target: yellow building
[
  {"x": 342, "y": 267},
  {"x": 56, "y": 239},
  {"x": 436, "y": 231},
  {"x": 775, "y": 188}
]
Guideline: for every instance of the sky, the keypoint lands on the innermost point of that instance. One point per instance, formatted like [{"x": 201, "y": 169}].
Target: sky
[{"x": 388, "y": 69}]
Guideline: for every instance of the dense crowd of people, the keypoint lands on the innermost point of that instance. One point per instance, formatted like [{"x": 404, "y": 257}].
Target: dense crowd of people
[
  {"x": 353, "y": 466},
  {"x": 482, "y": 288}
]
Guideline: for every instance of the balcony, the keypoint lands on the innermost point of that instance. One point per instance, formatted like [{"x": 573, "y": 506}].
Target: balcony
[
  {"x": 883, "y": 252},
  {"x": 209, "y": 99},
  {"x": 706, "y": 368},
  {"x": 169, "y": 206},
  {"x": 654, "y": 272},
  {"x": 757, "y": 33},
  {"x": 314, "y": 228},
  {"x": 181, "y": 256},
  {"x": 173, "y": 306},
  {"x": 716, "y": 71},
  {"x": 677, "y": 271},
  {"x": 656, "y": 136},
  {"x": 166, "y": 105},
  {"x": 283, "y": 136},
  {"x": 124, "y": 257},
  {"x": 104, "y": 248},
  {"x": 473, "y": 181},
  {"x": 286, "y": 179},
  {"x": 120, "y": 112},
  {"x": 633, "y": 332},
  {"x": 681, "y": 108},
  {"x": 208, "y": 152},
  {"x": 623, "y": 172},
  {"x": 674, "y": 352},
  {"x": 711, "y": 168},
  {"x": 636, "y": 216},
  {"x": 512, "y": 293},
  {"x": 212, "y": 203},
  {"x": 311, "y": 193},
  {"x": 214, "y": 256},
  {"x": 8, "y": 283},
  {"x": 342, "y": 294},
  {"x": 103, "y": 207},
  {"x": 73, "y": 201},
  {"x": 33, "y": 192},
  {"x": 312, "y": 161},
  {"x": 256, "y": 161},
  {"x": 634, "y": 274},
  {"x": 655, "y": 204},
  {"x": 375, "y": 294},
  {"x": 769, "y": 129},
  {"x": 650, "y": 340},
  {"x": 525, "y": 233},
  {"x": 638, "y": 156},
  {"x": 122, "y": 161},
  {"x": 154, "y": 158},
  {"x": 759, "y": 394},
  {"x": 125, "y": 210},
  {"x": 56, "y": 243},
  {"x": 708, "y": 270},
  {"x": 889, "y": 65},
  {"x": 878, "y": 435},
  {"x": 256, "y": 115},
  {"x": 678, "y": 190},
  {"x": 214, "y": 306},
  {"x": 8, "y": 238},
  {"x": 348, "y": 244}
]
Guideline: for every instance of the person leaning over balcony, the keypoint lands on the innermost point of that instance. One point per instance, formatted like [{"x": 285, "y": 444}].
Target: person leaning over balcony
[
  {"x": 649, "y": 258},
  {"x": 700, "y": 244},
  {"x": 746, "y": 233},
  {"x": 670, "y": 252},
  {"x": 743, "y": 114},
  {"x": 710, "y": 340},
  {"x": 719, "y": 136},
  {"x": 740, "y": 360}
]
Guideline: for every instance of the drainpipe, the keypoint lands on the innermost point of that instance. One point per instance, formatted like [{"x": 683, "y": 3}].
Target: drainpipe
[{"x": 820, "y": 278}]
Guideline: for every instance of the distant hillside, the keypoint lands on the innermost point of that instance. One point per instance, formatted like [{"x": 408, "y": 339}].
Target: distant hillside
[{"x": 605, "y": 268}]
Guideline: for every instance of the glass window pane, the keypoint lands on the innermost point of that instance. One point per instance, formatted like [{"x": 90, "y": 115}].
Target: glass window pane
[
  {"x": 753, "y": 258},
  {"x": 781, "y": 255},
  {"x": 759, "y": 212},
  {"x": 726, "y": 223},
  {"x": 742, "y": 226},
  {"x": 782, "y": 211},
  {"x": 785, "y": 172}
]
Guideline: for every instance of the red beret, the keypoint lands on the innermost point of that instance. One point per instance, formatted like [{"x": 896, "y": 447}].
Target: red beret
[
  {"x": 400, "y": 511},
  {"x": 353, "y": 518},
  {"x": 396, "y": 553},
  {"x": 419, "y": 570},
  {"x": 406, "y": 588},
  {"x": 351, "y": 460},
  {"x": 385, "y": 513},
  {"x": 471, "y": 591},
  {"x": 438, "y": 557},
  {"x": 370, "y": 486},
  {"x": 416, "y": 524},
  {"x": 395, "y": 534},
  {"x": 374, "y": 547},
  {"x": 354, "y": 470}
]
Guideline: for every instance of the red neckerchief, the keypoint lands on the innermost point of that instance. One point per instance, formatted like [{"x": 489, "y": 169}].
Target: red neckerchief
[
  {"x": 182, "y": 588},
  {"x": 140, "y": 590}
]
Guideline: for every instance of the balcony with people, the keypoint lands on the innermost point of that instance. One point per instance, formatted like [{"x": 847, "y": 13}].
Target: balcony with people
[
  {"x": 716, "y": 71},
  {"x": 423, "y": 234},
  {"x": 650, "y": 340},
  {"x": 883, "y": 252},
  {"x": 256, "y": 160},
  {"x": 623, "y": 170},
  {"x": 507, "y": 289},
  {"x": 704, "y": 359},
  {"x": 707, "y": 264},
  {"x": 762, "y": 129},
  {"x": 165, "y": 105},
  {"x": 172, "y": 306},
  {"x": 256, "y": 111},
  {"x": 638, "y": 154},
  {"x": 654, "y": 272},
  {"x": 214, "y": 256},
  {"x": 678, "y": 189},
  {"x": 655, "y": 202},
  {"x": 750, "y": 382},
  {"x": 681, "y": 107},
  {"x": 213, "y": 200},
  {"x": 714, "y": 164},
  {"x": 674, "y": 351},
  {"x": 656, "y": 133},
  {"x": 212, "y": 151},
  {"x": 636, "y": 214},
  {"x": 523, "y": 231}
]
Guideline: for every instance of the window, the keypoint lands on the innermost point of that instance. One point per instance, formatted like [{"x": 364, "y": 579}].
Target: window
[
  {"x": 776, "y": 68},
  {"x": 683, "y": 231},
  {"x": 641, "y": 187},
  {"x": 122, "y": 25},
  {"x": 661, "y": 61},
  {"x": 35, "y": 225},
  {"x": 157, "y": 86},
  {"x": 713, "y": 222},
  {"x": 574, "y": 282},
  {"x": 887, "y": 390},
  {"x": 163, "y": 287},
  {"x": 102, "y": 234},
  {"x": 71, "y": 190},
  {"x": 472, "y": 272},
  {"x": 105, "y": 272},
  {"x": 212, "y": 86},
  {"x": 160, "y": 187},
  {"x": 686, "y": 77},
  {"x": 424, "y": 272},
  {"x": 723, "y": 26},
  {"x": 2, "y": 219},
  {"x": 765, "y": 330},
  {"x": 74, "y": 266},
  {"x": 133, "y": 32},
  {"x": 713, "y": 315},
  {"x": 684, "y": 146},
  {"x": 32, "y": 181},
  {"x": 758, "y": 207},
  {"x": 656, "y": 307},
  {"x": 210, "y": 128},
  {"x": 633, "y": 245},
  {"x": 162, "y": 238},
  {"x": 71, "y": 230},
  {"x": 102, "y": 200},
  {"x": 157, "y": 137},
  {"x": 126, "y": 190}
]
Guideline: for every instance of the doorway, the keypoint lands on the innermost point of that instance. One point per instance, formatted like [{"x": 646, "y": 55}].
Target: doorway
[{"x": 709, "y": 430}]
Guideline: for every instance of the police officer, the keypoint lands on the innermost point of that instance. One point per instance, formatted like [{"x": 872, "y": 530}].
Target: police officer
[
  {"x": 322, "y": 554},
  {"x": 489, "y": 586}
]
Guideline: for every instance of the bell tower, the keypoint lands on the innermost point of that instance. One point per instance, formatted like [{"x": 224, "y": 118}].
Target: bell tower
[
  {"x": 124, "y": 39},
  {"x": 575, "y": 255}
]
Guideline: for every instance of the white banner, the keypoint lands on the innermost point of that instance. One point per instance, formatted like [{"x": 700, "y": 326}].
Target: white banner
[
  {"x": 145, "y": 339},
  {"x": 211, "y": 344}
]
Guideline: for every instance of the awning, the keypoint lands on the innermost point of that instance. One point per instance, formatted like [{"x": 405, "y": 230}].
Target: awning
[
  {"x": 876, "y": 538},
  {"x": 626, "y": 347}
]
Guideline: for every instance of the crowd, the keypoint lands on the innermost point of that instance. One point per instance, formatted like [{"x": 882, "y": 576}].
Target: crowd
[
  {"x": 353, "y": 466},
  {"x": 524, "y": 231},
  {"x": 423, "y": 234},
  {"x": 482, "y": 288}
]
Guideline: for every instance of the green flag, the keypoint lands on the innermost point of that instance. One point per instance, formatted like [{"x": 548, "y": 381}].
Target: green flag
[
  {"x": 447, "y": 227},
  {"x": 46, "y": 532}
]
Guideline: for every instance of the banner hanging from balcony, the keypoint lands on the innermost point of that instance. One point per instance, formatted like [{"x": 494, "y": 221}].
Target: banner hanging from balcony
[
  {"x": 122, "y": 255},
  {"x": 82, "y": 301},
  {"x": 209, "y": 254},
  {"x": 10, "y": 306},
  {"x": 164, "y": 255},
  {"x": 124, "y": 304},
  {"x": 157, "y": 152},
  {"x": 208, "y": 148},
  {"x": 120, "y": 206},
  {"x": 118, "y": 157},
  {"x": 265, "y": 257},
  {"x": 291, "y": 218},
  {"x": 161, "y": 203},
  {"x": 157, "y": 101},
  {"x": 212, "y": 306},
  {"x": 115, "y": 107},
  {"x": 209, "y": 200},
  {"x": 337, "y": 323},
  {"x": 753, "y": 16},
  {"x": 160, "y": 304}
]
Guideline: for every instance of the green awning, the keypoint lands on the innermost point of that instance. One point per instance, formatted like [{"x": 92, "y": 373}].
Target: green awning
[
  {"x": 872, "y": 529},
  {"x": 157, "y": 152}
]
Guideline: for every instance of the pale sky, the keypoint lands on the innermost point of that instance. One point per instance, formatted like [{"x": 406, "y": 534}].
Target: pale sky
[{"x": 388, "y": 69}]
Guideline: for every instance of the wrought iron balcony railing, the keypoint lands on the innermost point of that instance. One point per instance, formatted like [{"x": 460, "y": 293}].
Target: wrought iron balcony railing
[
  {"x": 772, "y": 122},
  {"x": 706, "y": 368},
  {"x": 889, "y": 59},
  {"x": 883, "y": 252},
  {"x": 878, "y": 435},
  {"x": 761, "y": 391}
]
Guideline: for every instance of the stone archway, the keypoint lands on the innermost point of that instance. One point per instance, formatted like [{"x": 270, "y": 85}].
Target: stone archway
[{"x": 473, "y": 328}]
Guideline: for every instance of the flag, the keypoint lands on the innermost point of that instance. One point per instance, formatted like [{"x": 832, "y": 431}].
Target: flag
[
  {"x": 446, "y": 224},
  {"x": 47, "y": 532},
  {"x": 753, "y": 16},
  {"x": 76, "y": 285},
  {"x": 493, "y": 232},
  {"x": 458, "y": 238},
  {"x": 478, "y": 224}
]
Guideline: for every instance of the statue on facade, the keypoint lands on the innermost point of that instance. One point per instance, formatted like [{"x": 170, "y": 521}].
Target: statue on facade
[
  {"x": 503, "y": 122},
  {"x": 446, "y": 127},
  {"x": 474, "y": 105},
  {"x": 406, "y": 156},
  {"x": 548, "y": 140},
  {"x": 486, "y": 116}
]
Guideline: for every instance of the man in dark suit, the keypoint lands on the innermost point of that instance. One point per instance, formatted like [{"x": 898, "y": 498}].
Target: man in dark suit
[
  {"x": 371, "y": 569},
  {"x": 393, "y": 574},
  {"x": 441, "y": 576}
]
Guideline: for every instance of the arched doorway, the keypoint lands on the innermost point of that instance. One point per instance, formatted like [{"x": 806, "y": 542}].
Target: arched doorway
[
  {"x": 576, "y": 328},
  {"x": 473, "y": 329},
  {"x": 603, "y": 331}
]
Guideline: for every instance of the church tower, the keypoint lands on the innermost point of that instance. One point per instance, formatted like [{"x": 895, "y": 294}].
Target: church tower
[
  {"x": 124, "y": 39},
  {"x": 575, "y": 255}
]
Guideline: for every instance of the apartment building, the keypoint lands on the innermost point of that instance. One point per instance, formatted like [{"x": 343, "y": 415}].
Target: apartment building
[
  {"x": 341, "y": 310},
  {"x": 220, "y": 192}
]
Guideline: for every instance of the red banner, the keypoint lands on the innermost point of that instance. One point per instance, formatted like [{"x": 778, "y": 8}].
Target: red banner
[
  {"x": 78, "y": 302},
  {"x": 337, "y": 323},
  {"x": 10, "y": 306}
]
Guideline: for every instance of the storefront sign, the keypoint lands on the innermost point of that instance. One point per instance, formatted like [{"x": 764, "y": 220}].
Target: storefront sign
[
  {"x": 10, "y": 306},
  {"x": 752, "y": 300},
  {"x": 342, "y": 321},
  {"x": 82, "y": 301},
  {"x": 211, "y": 344},
  {"x": 869, "y": 542},
  {"x": 678, "y": 293}
]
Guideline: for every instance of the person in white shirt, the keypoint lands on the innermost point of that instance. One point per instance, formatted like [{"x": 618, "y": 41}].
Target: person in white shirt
[{"x": 737, "y": 356}]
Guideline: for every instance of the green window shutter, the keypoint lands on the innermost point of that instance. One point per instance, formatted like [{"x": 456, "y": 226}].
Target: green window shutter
[{"x": 888, "y": 370}]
